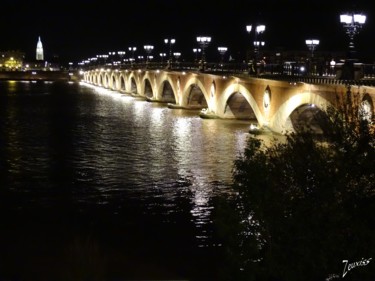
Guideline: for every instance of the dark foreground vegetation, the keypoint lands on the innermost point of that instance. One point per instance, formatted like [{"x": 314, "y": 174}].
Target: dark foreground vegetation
[{"x": 304, "y": 209}]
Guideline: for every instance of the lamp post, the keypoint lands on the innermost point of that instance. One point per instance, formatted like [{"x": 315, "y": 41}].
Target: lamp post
[
  {"x": 203, "y": 42},
  {"x": 121, "y": 55},
  {"x": 353, "y": 24},
  {"x": 148, "y": 49},
  {"x": 222, "y": 51},
  {"x": 332, "y": 64},
  {"x": 162, "y": 56},
  {"x": 132, "y": 49},
  {"x": 170, "y": 42},
  {"x": 196, "y": 51},
  {"x": 312, "y": 44},
  {"x": 176, "y": 55},
  {"x": 259, "y": 29}
]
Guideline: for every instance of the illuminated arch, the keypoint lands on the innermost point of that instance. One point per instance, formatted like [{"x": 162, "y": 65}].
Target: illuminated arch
[
  {"x": 161, "y": 95},
  {"x": 188, "y": 96},
  {"x": 147, "y": 88},
  {"x": 113, "y": 82},
  {"x": 280, "y": 121},
  {"x": 239, "y": 89},
  {"x": 166, "y": 93},
  {"x": 133, "y": 85},
  {"x": 122, "y": 83}
]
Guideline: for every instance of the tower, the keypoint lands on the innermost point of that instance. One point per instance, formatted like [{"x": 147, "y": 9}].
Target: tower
[{"x": 39, "y": 50}]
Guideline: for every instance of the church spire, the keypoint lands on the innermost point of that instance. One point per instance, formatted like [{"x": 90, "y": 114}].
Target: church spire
[{"x": 39, "y": 50}]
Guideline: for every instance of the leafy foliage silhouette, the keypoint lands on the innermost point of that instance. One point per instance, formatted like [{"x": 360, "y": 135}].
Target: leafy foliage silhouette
[{"x": 304, "y": 205}]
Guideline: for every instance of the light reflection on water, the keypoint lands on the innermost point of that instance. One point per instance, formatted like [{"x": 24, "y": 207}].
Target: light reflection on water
[
  {"x": 168, "y": 144},
  {"x": 103, "y": 150}
]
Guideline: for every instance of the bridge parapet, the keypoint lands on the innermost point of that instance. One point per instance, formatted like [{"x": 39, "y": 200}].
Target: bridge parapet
[{"x": 364, "y": 73}]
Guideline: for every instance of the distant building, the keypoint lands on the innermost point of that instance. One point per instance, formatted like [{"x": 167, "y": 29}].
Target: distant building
[
  {"x": 11, "y": 60},
  {"x": 39, "y": 50}
]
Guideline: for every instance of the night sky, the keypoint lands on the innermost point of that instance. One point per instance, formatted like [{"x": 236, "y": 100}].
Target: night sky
[{"x": 77, "y": 30}]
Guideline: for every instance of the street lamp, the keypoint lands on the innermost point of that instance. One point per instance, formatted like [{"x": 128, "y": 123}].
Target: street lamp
[
  {"x": 132, "y": 49},
  {"x": 148, "y": 49},
  {"x": 312, "y": 44},
  {"x": 196, "y": 51},
  {"x": 121, "y": 54},
  {"x": 352, "y": 23},
  {"x": 162, "y": 55},
  {"x": 177, "y": 55},
  {"x": 222, "y": 51},
  {"x": 170, "y": 42},
  {"x": 203, "y": 41},
  {"x": 258, "y": 44},
  {"x": 259, "y": 29}
]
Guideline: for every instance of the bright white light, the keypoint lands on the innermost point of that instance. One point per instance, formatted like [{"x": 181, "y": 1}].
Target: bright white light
[
  {"x": 260, "y": 28},
  {"x": 312, "y": 42},
  {"x": 346, "y": 19},
  {"x": 360, "y": 18},
  {"x": 204, "y": 39},
  {"x": 350, "y": 19}
]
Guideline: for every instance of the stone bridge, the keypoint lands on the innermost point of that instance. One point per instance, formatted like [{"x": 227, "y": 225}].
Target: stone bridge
[{"x": 279, "y": 106}]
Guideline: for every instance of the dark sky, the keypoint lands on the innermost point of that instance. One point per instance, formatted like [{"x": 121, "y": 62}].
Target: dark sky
[{"x": 77, "y": 30}]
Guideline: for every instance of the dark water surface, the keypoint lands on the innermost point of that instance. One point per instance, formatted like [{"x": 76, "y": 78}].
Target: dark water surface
[{"x": 96, "y": 185}]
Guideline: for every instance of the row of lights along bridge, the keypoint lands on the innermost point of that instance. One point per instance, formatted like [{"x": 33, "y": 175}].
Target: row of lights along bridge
[{"x": 352, "y": 22}]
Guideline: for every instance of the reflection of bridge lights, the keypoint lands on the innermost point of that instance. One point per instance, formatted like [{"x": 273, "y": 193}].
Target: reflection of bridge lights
[
  {"x": 182, "y": 128},
  {"x": 156, "y": 117}
]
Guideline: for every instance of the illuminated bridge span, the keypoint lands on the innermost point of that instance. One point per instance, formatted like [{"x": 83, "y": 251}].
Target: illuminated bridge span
[{"x": 276, "y": 105}]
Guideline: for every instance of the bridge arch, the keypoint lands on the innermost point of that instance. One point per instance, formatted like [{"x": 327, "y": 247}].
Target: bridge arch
[
  {"x": 106, "y": 80},
  {"x": 166, "y": 92},
  {"x": 113, "y": 84},
  {"x": 133, "y": 85},
  {"x": 147, "y": 88},
  {"x": 101, "y": 80},
  {"x": 194, "y": 94},
  {"x": 281, "y": 121},
  {"x": 238, "y": 103},
  {"x": 122, "y": 83}
]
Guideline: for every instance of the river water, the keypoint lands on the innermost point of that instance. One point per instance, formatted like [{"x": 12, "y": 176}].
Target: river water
[{"x": 99, "y": 184}]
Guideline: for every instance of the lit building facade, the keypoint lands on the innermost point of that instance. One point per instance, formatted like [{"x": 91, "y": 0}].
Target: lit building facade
[{"x": 11, "y": 60}]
